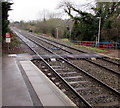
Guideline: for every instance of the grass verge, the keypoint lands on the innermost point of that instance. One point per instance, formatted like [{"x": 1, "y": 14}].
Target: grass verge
[
  {"x": 87, "y": 47},
  {"x": 64, "y": 39},
  {"x": 14, "y": 41}
]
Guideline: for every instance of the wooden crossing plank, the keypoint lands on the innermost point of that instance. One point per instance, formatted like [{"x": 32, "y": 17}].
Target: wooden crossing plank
[{"x": 73, "y": 56}]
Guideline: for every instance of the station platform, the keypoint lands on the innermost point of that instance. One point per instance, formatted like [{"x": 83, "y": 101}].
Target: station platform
[{"x": 26, "y": 85}]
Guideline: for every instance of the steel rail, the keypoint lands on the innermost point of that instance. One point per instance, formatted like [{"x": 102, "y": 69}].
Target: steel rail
[
  {"x": 74, "y": 48},
  {"x": 60, "y": 43},
  {"x": 78, "y": 68},
  {"x": 118, "y": 73},
  {"x": 77, "y": 49},
  {"x": 68, "y": 85},
  {"x": 53, "y": 45},
  {"x": 111, "y": 61}
]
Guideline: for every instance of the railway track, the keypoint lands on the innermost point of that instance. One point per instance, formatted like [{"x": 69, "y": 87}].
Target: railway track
[
  {"x": 73, "y": 50},
  {"x": 103, "y": 73},
  {"x": 88, "y": 90},
  {"x": 117, "y": 62}
]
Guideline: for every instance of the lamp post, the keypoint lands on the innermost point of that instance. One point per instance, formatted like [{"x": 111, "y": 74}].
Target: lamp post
[{"x": 98, "y": 39}]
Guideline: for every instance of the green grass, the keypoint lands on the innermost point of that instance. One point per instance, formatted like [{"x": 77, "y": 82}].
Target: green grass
[
  {"x": 91, "y": 48},
  {"x": 64, "y": 39},
  {"x": 14, "y": 40},
  {"x": 96, "y": 49},
  {"x": 87, "y": 47}
]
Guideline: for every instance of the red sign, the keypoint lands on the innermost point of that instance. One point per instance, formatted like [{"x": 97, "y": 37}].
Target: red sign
[
  {"x": 8, "y": 39},
  {"x": 7, "y": 35}
]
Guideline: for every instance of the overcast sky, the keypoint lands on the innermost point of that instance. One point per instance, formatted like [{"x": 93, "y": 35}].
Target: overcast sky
[{"x": 29, "y": 9}]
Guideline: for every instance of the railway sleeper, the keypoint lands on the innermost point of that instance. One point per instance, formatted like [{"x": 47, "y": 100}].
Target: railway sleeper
[
  {"x": 67, "y": 73},
  {"x": 73, "y": 77},
  {"x": 68, "y": 79},
  {"x": 55, "y": 63},
  {"x": 53, "y": 78},
  {"x": 56, "y": 66},
  {"x": 49, "y": 74},
  {"x": 81, "y": 84},
  {"x": 59, "y": 70}
]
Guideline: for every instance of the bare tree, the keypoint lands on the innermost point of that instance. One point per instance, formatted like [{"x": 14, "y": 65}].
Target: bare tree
[
  {"x": 46, "y": 14},
  {"x": 42, "y": 15}
]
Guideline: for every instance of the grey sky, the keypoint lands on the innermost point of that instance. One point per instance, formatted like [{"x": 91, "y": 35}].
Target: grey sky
[{"x": 30, "y": 9}]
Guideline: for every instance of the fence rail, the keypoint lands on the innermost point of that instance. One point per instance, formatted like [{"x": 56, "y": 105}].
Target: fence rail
[{"x": 108, "y": 45}]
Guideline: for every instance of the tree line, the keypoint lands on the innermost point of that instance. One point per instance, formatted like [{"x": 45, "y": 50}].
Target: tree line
[
  {"x": 86, "y": 24},
  {"x": 6, "y": 6},
  {"x": 51, "y": 27},
  {"x": 81, "y": 25}
]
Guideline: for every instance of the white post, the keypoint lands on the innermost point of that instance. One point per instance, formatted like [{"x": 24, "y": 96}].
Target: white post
[{"x": 99, "y": 30}]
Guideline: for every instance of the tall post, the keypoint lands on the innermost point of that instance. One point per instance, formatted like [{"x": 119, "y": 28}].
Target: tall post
[
  {"x": 57, "y": 33},
  {"x": 70, "y": 33},
  {"x": 99, "y": 31}
]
